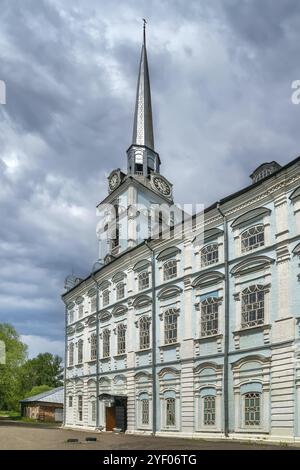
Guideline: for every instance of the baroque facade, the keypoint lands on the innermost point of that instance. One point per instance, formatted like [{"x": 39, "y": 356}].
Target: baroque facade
[{"x": 193, "y": 335}]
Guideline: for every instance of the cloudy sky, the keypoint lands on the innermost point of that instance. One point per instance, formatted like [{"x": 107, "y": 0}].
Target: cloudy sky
[{"x": 221, "y": 74}]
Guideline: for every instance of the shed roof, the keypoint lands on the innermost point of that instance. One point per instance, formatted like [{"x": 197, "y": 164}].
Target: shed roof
[{"x": 56, "y": 395}]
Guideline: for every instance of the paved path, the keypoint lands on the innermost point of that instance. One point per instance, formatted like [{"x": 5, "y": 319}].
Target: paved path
[{"x": 34, "y": 436}]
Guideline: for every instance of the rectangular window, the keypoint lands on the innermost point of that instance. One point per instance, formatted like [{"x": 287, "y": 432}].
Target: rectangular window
[
  {"x": 253, "y": 304},
  {"x": 80, "y": 311},
  {"x": 171, "y": 326},
  {"x": 71, "y": 354},
  {"x": 93, "y": 346},
  {"x": 80, "y": 407},
  {"x": 94, "y": 410},
  {"x": 105, "y": 297},
  {"x": 71, "y": 316},
  {"x": 170, "y": 411},
  {"x": 144, "y": 333},
  {"x": 80, "y": 351},
  {"x": 252, "y": 409},
  {"x": 93, "y": 304},
  {"x": 145, "y": 411},
  {"x": 170, "y": 269},
  {"x": 120, "y": 289},
  {"x": 209, "y": 316},
  {"x": 121, "y": 339},
  {"x": 106, "y": 343},
  {"x": 70, "y": 401},
  {"x": 209, "y": 411},
  {"x": 144, "y": 280}
]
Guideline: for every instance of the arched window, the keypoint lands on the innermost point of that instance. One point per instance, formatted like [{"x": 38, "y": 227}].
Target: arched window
[
  {"x": 209, "y": 410},
  {"x": 121, "y": 339},
  {"x": 71, "y": 354},
  {"x": 93, "y": 346},
  {"x": 170, "y": 324},
  {"x": 80, "y": 311},
  {"x": 252, "y": 238},
  {"x": 253, "y": 306},
  {"x": 252, "y": 409},
  {"x": 120, "y": 291},
  {"x": 106, "y": 343},
  {"x": 143, "y": 279},
  {"x": 209, "y": 254},
  {"x": 144, "y": 327},
  {"x": 105, "y": 297},
  {"x": 170, "y": 412},
  {"x": 209, "y": 316},
  {"x": 170, "y": 269},
  {"x": 80, "y": 352}
]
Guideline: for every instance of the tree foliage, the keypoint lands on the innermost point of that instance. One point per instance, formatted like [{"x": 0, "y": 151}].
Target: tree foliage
[
  {"x": 16, "y": 353},
  {"x": 21, "y": 377}
]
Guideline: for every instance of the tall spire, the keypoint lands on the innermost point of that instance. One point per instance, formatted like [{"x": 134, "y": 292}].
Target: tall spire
[{"x": 143, "y": 125}]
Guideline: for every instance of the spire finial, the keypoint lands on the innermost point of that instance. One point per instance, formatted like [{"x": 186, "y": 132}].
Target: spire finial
[{"x": 144, "y": 31}]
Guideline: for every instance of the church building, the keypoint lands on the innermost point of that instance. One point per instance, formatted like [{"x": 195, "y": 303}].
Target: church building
[{"x": 193, "y": 334}]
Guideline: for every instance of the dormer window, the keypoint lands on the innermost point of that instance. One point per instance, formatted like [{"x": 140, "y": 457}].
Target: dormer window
[
  {"x": 264, "y": 170},
  {"x": 252, "y": 238}
]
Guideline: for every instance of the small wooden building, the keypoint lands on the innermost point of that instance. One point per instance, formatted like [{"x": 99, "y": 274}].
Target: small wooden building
[{"x": 46, "y": 406}]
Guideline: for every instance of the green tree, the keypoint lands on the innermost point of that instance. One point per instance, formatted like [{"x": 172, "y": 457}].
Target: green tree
[
  {"x": 16, "y": 353},
  {"x": 37, "y": 390},
  {"x": 45, "y": 369}
]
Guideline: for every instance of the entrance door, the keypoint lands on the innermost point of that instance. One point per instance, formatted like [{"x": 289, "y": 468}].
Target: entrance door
[{"x": 110, "y": 414}]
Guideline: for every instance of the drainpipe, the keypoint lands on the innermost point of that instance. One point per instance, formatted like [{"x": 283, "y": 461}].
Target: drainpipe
[
  {"x": 226, "y": 321},
  {"x": 65, "y": 366},
  {"x": 154, "y": 387},
  {"x": 97, "y": 349}
]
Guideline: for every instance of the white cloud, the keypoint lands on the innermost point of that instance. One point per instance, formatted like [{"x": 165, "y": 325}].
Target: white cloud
[{"x": 41, "y": 344}]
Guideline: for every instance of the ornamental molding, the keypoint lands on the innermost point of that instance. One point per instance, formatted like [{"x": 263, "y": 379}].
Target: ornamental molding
[
  {"x": 168, "y": 292},
  {"x": 255, "y": 199},
  {"x": 252, "y": 264}
]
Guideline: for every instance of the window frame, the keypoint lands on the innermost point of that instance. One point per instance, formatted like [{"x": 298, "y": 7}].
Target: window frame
[
  {"x": 144, "y": 332},
  {"x": 248, "y": 292},
  {"x": 80, "y": 407},
  {"x": 256, "y": 423},
  {"x": 141, "y": 278},
  {"x": 171, "y": 338},
  {"x": 205, "y": 253},
  {"x": 80, "y": 351},
  {"x": 167, "y": 276},
  {"x": 247, "y": 236},
  {"x": 71, "y": 355},
  {"x": 213, "y": 302},
  {"x": 105, "y": 297},
  {"x": 106, "y": 343},
  {"x": 120, "y": 296},
  {"x": 121, "y": 339},
  {"x": 210, "y": 398},
  {"x": 93, "y": 347}
]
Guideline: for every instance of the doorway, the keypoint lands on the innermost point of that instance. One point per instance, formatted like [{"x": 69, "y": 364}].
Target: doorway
[{"x": 110, "y": 417}]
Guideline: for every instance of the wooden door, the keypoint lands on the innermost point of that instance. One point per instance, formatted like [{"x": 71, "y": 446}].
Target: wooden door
[{"x": 110, "y": 413}]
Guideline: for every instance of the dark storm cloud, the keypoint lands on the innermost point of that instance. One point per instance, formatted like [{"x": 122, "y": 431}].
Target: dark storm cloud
[{"x": 221, "y": 75}]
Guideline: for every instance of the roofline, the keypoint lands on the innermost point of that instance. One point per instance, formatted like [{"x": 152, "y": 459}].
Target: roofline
[{"x": 206, "y": 210}]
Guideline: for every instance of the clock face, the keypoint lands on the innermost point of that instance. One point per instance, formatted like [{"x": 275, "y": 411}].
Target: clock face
[
  {"x": 162, "y": 186},
  {"x": 113, "y": 182}
]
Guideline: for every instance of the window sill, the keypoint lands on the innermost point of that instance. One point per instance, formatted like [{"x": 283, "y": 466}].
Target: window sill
[
  {"x": 169, "y": 346},
  {"x": 91, "y": 361},
  {"x": 251, "y": 328},
  {"x": 143, "y": 350},
  {"x": 105, "y": 359},
  {"x": 80, "y": 364},
  {"x": 119, "y": 356},
  {"x": 203, "y": 339}
]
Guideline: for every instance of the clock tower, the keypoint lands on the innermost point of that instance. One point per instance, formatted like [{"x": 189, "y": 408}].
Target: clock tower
[{"x": 141, "y": 197}]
